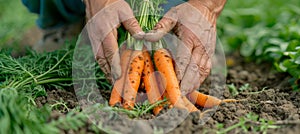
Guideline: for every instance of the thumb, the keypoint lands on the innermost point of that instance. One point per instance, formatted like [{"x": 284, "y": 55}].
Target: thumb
[
  {"x": 139, "y": 35},
  {"x": 154, "y": 35},
  {"x": 116, "y": 67}
]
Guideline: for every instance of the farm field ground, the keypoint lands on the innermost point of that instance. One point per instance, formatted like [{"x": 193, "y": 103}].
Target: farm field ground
[
  {"x": 262, "y": 47},
  {"x": 269, "y": 105}
]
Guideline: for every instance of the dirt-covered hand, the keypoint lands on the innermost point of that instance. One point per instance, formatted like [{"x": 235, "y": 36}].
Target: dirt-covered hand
[
  {"x": 104, "y": 17},
  {"x": 194, "y": 22}
]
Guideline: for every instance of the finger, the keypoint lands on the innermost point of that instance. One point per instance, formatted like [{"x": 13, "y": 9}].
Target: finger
[
  {"x": 205, "y": 70},
  {"x": 97, "y": 46},
  {"x": 139, "y": 35},
  {"x": 122, "y": 48},
  {"x": 182, "y": 58},
  {"x": 117, "y": 73},
  {"x": 101, "y": 60},
  {"x": 154, "y": 35},
  {"x": 110, "y": 49},
  {"x": 193, "y": 74}
]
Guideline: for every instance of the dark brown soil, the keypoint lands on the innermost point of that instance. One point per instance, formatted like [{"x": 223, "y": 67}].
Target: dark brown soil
[
  {"x": 57, "y": 96},
  {"x": 269, "y": 96},
  {"x": 277, "y": 102}
]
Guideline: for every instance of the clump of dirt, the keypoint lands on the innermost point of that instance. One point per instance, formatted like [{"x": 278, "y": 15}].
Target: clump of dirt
[{"x": 58, "y": 98}]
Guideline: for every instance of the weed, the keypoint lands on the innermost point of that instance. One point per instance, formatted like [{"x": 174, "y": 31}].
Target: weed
[
  {"x": 250, "y": 123},
  {"x": 137, "y": 111},
  {"x": 234, "y": 91},
  {"x": 60, "y": 106}
]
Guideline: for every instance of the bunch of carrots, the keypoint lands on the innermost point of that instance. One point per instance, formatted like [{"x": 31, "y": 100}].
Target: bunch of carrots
[{"x": 138, "y": 67}]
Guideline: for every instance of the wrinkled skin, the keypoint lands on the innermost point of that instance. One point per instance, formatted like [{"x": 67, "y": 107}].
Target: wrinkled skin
[
  {"x": 194, "y": 22},
  {"x": 104, "y": 17}
]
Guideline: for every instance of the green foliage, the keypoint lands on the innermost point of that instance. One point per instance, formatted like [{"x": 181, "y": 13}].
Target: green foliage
[
  {"x": 71, "y": 121},
  {"x": 26, "y": 73},
  {"x": 235, "y": 91},
  {"x": 53, "y": 69},
  {"x": 147, "y": 14},
  {"x": 15, "y": 19},
  {"x": 24, "y": 79},
  {"x": 137, "y": 111},
  {"x": 18, "y": 115},
  {"x": 264, "y": 31}
]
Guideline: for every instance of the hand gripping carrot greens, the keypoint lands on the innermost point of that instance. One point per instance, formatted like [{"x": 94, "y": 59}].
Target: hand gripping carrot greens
[
  {"x": 138, "y": 66},
  {"x": 134, "y": 63}
]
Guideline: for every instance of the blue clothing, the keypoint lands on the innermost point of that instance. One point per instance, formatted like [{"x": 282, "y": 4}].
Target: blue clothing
[
  {"x": 172, "y": 3},
  {"x": 55, "y": 13}
]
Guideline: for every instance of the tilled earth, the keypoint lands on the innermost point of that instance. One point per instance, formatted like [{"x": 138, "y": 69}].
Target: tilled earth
[{"x": 269, "y": 96}]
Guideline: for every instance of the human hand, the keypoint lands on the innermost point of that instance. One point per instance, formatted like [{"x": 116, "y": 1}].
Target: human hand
[
  {"x": 194, "y": 22},
  {"x": 104, "y": 17}
]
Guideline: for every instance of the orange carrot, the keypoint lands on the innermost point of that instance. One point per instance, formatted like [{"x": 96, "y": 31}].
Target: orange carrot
[
  {"x": 133, "y": 79},
  {"x": 161, "y": 82},
  {"x": 152, "y": 89},
  {"x": 206, "y": 101},
  {"x": 164, "y": 64},
  {"x": 117, "y": 90},
  {"x": 203, "y": 100}
]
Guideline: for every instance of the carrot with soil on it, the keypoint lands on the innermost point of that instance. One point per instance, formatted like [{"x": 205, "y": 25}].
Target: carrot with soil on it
[
  {"x": 161, "y": 82},
  {"x": 206, "y": 101},
  {"x": 133, "y": 79},
  {"x": 164, "y": 64},
  {"x": 117, "y": 91},
  {"x": 151, "y": 84}
]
